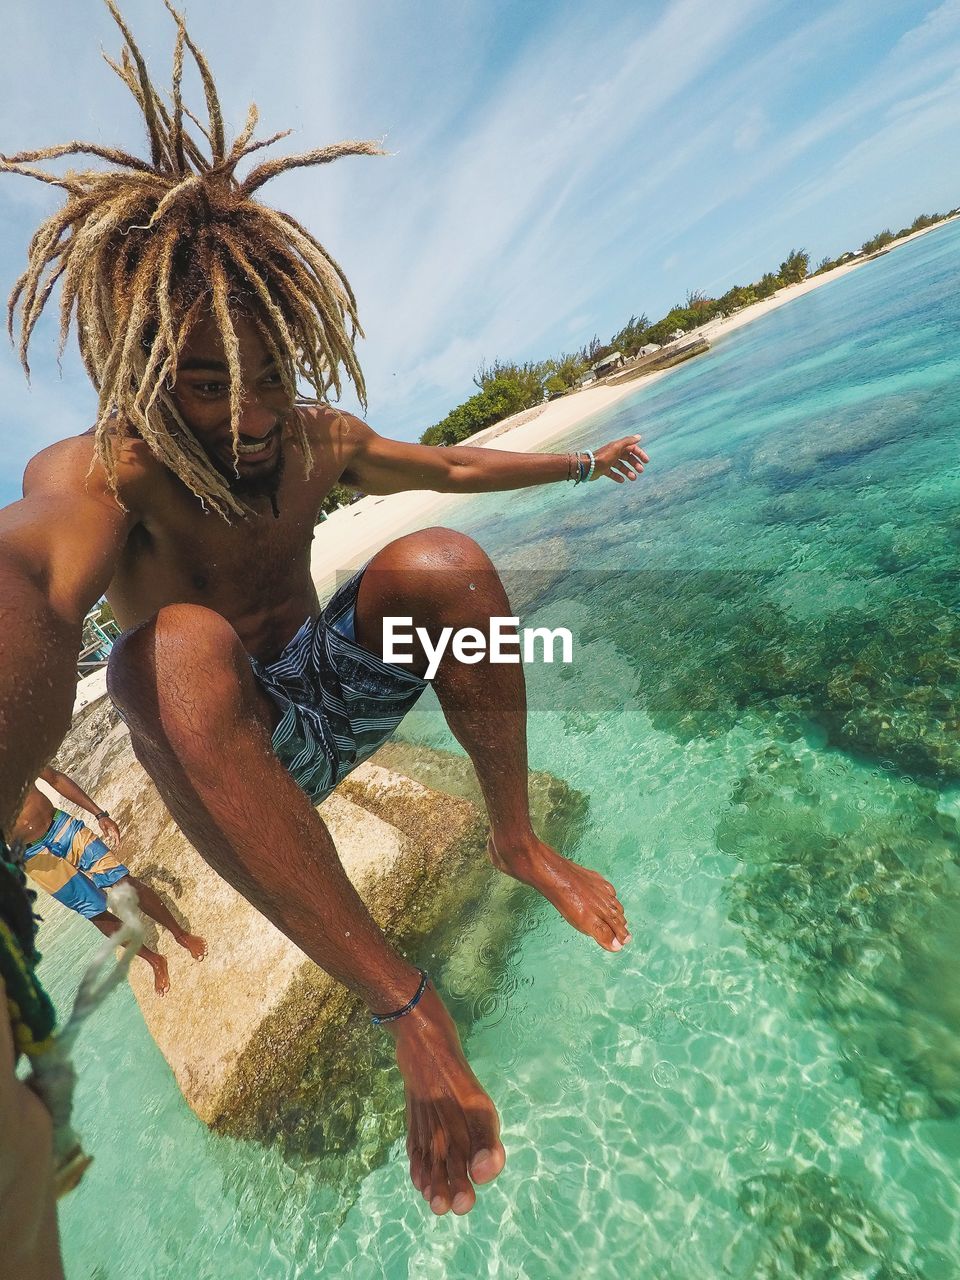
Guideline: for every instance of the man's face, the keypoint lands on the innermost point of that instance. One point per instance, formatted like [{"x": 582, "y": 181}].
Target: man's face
[{"x": 202, "y": 395}]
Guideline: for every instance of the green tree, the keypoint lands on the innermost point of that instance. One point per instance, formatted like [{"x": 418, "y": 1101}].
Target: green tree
[
  {"x": 795, "y": 267},
  {"x": 565, "y": 372},
  {"x": 594, "y": 350},
  {"x": 527, "y": 378},
  {"x": 768, "y": 284},
  {"x": 879, "y": 241},
  {"x": 631, "y": 337},
  {"x": 506, "y": 389},
  {"x": 741, "y": 295},
  {"x": 341, "y": 495}
]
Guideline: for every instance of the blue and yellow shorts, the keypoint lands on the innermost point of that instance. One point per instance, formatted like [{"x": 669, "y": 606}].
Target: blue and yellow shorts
[{"x": 73, "y": 866}]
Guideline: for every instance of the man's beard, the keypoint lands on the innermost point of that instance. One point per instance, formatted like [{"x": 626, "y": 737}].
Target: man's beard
[{"x": 261, "y": 484}]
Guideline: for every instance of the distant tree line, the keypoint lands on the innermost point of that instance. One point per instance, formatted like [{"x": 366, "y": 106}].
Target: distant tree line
[
  {"x": 504, "y": 388},
  {"x": 882, "y": 239}
]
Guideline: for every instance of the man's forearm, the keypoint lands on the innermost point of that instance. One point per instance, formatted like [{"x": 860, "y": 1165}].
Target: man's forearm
[
  {"x": 70, "y": 791},
  {"x": 477, "y": 470},
  {"x": 38, "y": 677}
]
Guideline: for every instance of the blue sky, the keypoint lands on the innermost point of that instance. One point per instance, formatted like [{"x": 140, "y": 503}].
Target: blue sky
[{"x": 553, "y": 167}]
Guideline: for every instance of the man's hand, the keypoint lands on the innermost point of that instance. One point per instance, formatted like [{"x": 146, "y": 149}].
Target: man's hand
[
  {"x": 110, "y": 831},
  {"x": 620, "y": 460}
]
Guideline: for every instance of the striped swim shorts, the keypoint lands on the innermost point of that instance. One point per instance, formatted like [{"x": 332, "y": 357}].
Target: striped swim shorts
[
  {"x": 73, "y": 866},
  {"x": 338, "y": 702}
]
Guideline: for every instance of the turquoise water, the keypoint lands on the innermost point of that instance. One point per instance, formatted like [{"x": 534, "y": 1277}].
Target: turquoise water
[{"x": 763, "y": 713}]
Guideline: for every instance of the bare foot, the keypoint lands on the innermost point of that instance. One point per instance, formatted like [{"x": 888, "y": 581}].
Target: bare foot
[
  {"x": 453, "y": 1131},
  {"x": 582, "y": 896},
  {"x": 161, "y": 974},
  {"x": 196, "y": 946}
]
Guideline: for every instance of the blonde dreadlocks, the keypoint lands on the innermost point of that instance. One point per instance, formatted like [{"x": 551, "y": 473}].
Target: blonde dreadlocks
[{"x": 145, "y": 247}]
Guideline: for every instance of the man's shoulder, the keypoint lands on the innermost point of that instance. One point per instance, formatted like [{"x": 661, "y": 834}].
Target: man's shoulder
[
  {"x": 329, "y": 427},
  {"x": 72, "y": 465}
]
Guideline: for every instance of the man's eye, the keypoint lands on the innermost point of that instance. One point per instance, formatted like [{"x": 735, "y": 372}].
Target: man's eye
[{"x": 211, "y": 388}]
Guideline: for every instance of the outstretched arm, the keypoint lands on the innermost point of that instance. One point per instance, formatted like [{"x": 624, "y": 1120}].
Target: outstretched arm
[
  {"x": 58, "y": 549},
  {"x": 379, "y": 465}
]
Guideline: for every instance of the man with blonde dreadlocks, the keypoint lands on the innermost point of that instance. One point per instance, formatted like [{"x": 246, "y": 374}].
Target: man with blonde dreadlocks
[{"x": 200, "y": 314}]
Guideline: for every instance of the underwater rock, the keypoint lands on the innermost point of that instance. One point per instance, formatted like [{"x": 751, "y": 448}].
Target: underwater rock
[
  {"x": 826, "y": 445},
  {"x": 883, "y": 681},
  {"x": 703, "y": 644},
  {"x": 891, "y": 685},
  {"x": 819, "y": 1227},
  {"x": 558, "y": 811},
  {"x": 850, "y": 891},
  {"x": 261, "y": 1041}
]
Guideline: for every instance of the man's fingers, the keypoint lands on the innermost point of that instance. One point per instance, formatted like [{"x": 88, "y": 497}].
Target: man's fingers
[{"x": 621, "y": 470}]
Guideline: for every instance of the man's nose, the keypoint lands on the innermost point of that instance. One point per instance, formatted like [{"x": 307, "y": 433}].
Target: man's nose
[{"x": 256, "y": 420}]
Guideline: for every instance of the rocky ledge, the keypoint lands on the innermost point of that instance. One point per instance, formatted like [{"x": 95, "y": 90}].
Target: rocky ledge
[{"x": 263, "y": 1043}]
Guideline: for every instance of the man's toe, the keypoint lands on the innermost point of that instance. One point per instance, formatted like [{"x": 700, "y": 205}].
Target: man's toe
[
  {"x": 620, "y": 930},
  {"x": 440, "y": 1196},
  {"x": 464, "y": 1201},
  {"x": 462, "y": 1195},
  {"x": 487, "y": 1162},
  {"x": 416, "y": 1170}
]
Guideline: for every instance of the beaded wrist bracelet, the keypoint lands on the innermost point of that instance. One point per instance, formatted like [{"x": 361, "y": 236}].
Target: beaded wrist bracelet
[
  {"x": 593, "y": 464},
  {"x": 379, "y": 1018}
]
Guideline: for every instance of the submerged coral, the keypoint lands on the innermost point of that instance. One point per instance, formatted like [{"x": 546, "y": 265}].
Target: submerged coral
[
  {"x": 881, "y": 679},
  {"x": 820, "y": 1227},
  {"x": 850, "y": 888}
]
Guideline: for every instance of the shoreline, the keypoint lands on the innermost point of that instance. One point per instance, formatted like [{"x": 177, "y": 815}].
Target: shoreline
[{"x": 351, "y": 535}]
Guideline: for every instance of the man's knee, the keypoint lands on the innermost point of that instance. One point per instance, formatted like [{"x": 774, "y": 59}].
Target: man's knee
[
  {"x": 436, "y": 548},
  {"x": 439, "y": 577},
  {"x": 185, "y": 655}
]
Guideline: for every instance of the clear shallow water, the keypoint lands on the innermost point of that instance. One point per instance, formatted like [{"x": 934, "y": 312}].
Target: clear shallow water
[{"x": 763, "y": 715}]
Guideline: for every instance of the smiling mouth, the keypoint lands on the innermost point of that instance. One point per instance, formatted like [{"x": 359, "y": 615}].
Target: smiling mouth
[{"x": 257, "y": 449}]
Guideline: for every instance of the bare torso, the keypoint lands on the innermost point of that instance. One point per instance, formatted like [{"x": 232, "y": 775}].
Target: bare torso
[
  {"x": 254, "y": 571},
  {"x": 34, "y": 818}
]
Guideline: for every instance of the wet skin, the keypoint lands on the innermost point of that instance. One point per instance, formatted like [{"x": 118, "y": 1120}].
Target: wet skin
[
  {"x": 199, "y": 594},
  {"x": 28, "y": 1219}
]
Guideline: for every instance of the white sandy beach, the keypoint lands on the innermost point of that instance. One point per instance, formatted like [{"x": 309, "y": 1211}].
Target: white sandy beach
[{"x": 350, "y": 535}]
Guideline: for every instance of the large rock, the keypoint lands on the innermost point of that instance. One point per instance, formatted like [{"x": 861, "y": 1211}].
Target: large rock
[{"x": 261, "y": 1041}]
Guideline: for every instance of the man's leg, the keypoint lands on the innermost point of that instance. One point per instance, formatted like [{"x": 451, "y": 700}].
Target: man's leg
[
  {"x": 201, "y": 728},
  {"x": 152, "y": 905},
  {"x": 440, "y": 578},
  {"x": 108, "y": 924}
]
